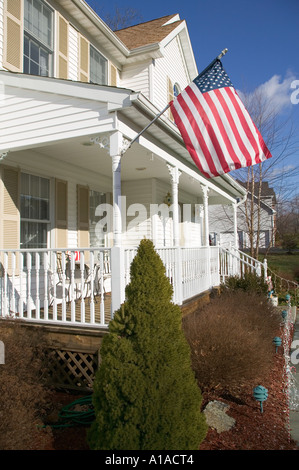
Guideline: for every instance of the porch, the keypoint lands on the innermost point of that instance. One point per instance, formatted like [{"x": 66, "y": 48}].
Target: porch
[
  {"x": 70, "y": 179},
  {"x": 83, "y": 288}
]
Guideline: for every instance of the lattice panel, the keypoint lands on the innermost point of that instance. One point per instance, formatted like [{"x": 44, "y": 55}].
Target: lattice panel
[{"x": 72, "y": 370}]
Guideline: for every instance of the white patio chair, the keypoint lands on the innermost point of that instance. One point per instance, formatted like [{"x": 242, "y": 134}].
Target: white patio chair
[{"x": 67, "y": 278}]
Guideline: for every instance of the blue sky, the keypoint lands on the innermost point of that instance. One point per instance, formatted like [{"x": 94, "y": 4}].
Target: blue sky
[{"x": 262, "y": 37}]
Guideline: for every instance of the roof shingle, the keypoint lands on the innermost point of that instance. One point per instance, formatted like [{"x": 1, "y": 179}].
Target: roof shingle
[{"x": 147, "y": 33}]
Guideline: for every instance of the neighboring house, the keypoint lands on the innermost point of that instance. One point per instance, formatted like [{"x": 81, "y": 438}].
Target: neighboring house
[
  {"x": 222, "y": 220},
  {"x": 74, "y": 95}
]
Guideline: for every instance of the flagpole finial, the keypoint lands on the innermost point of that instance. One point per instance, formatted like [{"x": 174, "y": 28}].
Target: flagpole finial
[{"x": 222, "y": 53}]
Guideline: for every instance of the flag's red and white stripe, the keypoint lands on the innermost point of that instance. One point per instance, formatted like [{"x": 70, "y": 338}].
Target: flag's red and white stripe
[{"x": 217, "y": 130}]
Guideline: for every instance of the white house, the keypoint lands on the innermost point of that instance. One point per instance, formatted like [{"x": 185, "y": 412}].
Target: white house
[
  {"x": 74, "y": 95},
  {"x": 224, "y": 219}
]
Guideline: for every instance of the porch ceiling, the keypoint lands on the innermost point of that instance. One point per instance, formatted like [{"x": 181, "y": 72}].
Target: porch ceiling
[
  {"x": 165, "y": 135},
  {"x": 137, "y": 163}
]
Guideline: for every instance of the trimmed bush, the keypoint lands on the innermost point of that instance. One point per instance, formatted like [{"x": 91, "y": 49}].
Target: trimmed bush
[
  {"x": 249, "y": 282},
  {"x": 145, "y": 393},
  {"x": 231, "y": 340}
]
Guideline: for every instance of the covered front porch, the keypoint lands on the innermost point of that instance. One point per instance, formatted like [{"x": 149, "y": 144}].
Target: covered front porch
[{"x": 77, "y": 198}]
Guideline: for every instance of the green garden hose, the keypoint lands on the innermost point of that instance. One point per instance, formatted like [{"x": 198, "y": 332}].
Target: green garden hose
[{"x": 70, "y": 415}]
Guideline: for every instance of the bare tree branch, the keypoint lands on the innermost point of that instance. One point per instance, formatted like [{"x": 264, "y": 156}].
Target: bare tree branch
[
  {"x": 279, "y": 171},
  {"x": 119, "y": 17}
]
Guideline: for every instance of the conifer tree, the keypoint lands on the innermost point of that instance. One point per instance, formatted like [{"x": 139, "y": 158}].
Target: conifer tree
[{"x": 145, "y": 393}]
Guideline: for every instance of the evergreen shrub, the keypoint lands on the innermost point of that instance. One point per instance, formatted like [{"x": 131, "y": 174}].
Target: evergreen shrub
[
  {"x": 249, "y": 282},
  {"x": 145, "y": 392}
]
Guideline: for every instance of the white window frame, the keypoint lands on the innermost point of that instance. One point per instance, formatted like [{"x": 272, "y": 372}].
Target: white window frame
[
  {"x": 48, "y": 47},
  {"x": 93, "y": 219},
  {"x": 47, "y": 221},
  {"x": 92, "y": 48},
  {"x": 176, "y": 89}
]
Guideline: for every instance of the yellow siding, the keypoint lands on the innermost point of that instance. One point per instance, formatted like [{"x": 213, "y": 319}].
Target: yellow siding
[{"x": 13, "y": 35}]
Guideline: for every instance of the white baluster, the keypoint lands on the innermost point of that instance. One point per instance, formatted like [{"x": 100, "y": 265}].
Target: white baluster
[
  {"x": 5, "y": 287},
  {"x": 102, "y": 306},
  {"x": 13, "y": 296},
  {"x": 92, "y": 279},
  {"x": 54, "y": 263},
  {"x": 29, "y": 265},
  {"x": 21, "y": 298},
  {"x": 82, "y": 272},
  {"x": 63, "y": 276},
  {"x": 73, "y": 303},
  {"x": 46, "y": 287},
  {"x": 37, "y": 301}
]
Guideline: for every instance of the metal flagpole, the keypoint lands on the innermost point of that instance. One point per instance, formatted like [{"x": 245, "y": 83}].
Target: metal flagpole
[
  {"x": 166, "y": 107},
  {"x": 155, "y": 118},
  {"x": 213, "y": 62}
]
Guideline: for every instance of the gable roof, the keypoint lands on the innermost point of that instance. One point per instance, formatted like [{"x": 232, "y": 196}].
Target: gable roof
[
  {"x": 266, "y": 191},
  {"x": 125, "y": 46},
  {"x": 150, "y": 32}
]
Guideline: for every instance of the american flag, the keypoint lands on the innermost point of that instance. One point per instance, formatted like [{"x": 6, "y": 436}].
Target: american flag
[{"x": 217, "y": 130}]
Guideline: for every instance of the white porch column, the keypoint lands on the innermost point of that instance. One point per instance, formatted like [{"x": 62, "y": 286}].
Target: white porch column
[
  {"x": 117, "y": 251},
  {"x": 116, "y": 140},
  {"x": 115, "y": 143},
  {"x": 205, "y": 191},
  {"x": 206, "y": 240},
  {"x": 175, "y": 175},
  {"x": 236, "y": 239}
]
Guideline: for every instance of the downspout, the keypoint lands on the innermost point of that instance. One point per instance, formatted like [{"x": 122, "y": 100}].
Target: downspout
[
  {"x": 236, "y": 205},
  {"x": 234, "y": 261},
  {"x": 242, "y": 200},
  {"x": 273, "y": 228}
]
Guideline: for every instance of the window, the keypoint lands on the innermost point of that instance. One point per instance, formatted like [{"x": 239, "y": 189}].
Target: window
[
  {"x": 38, "y": 38},
  {"x": 97, "y": 238},
  {"x": 35, "y": 208},
  {"x": 98, "y": 67},
  {"x": 173, "y": 91},
  {"x": 176, "y": 90}
]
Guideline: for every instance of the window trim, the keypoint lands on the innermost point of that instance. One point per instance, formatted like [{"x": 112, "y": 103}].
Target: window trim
[
  {"x": 176, "y": 89},
  {"x": 93, "y": 193},
  {"x": 47, "y": 222},
  {"x": 51, "y": 46},
  {"x": 40, "y": 43},
  {"x": 40, "y": 46},
  {"x": 92, "y": 47}
]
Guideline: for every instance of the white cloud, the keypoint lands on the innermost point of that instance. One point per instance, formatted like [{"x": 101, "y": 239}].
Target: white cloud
[
  {"x": 276, "y": 91},
  {"x": 284, "y": 170}
]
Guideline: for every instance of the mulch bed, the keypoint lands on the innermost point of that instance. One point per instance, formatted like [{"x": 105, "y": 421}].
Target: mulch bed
[{"x": 253, "y": 429}]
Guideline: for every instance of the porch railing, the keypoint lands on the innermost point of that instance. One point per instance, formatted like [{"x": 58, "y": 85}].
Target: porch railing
[
  {"x": 191, "y": 270},
  {"x": 83, "y": 287},
  {"x": 234, "y": 262},
  {"x": 56, "y": 286}
]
